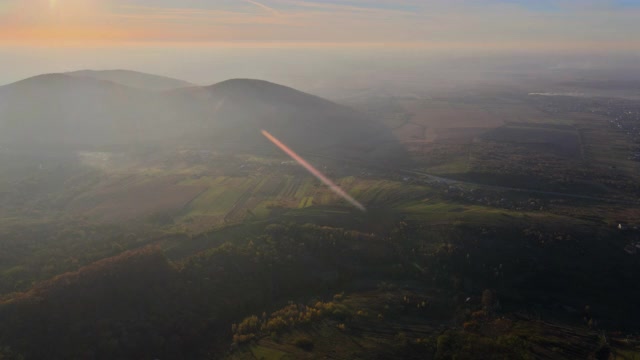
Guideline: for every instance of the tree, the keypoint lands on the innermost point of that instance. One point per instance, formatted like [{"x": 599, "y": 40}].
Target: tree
[{"x": 488, "y": 300}]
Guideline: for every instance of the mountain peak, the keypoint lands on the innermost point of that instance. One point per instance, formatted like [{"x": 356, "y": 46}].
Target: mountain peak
[
  {"x": 247, "y": 82},
  {"x": 44, "y": 78},
  {"x": 250, "y": 85},
  {"x": 133, "y": 79},
  {"x": 103, "y": 112},
  {"x": 265, "y": 91}
]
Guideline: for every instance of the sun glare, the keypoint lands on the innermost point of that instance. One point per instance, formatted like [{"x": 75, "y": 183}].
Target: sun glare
[{"x": 52, "y": 4}]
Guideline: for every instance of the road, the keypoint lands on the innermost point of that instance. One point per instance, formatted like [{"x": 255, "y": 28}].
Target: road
[
  {"x": 450, "y": 181},
  {"x": 507, "y": 188}
]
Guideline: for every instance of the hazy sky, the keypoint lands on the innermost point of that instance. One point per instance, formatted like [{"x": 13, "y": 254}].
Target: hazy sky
[
  {"x": 56, "y": 35},
  {"x": 436, "y": 23}
]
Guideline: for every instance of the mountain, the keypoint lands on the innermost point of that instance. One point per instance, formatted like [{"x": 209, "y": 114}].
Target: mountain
[
  {"x": 240, "y": 108},
  {"x": 62, "y": 110},
  {"x": 133, "y": 79},
  {"x": 84, "y": 112}
]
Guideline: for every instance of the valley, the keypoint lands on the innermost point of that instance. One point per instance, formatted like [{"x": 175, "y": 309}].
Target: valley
[{"x": 497, "y": 223}]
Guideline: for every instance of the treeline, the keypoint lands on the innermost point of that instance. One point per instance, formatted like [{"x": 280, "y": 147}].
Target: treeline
[
  {"x": 140, "y": 305},
  {"x": 33, "y": 251}
]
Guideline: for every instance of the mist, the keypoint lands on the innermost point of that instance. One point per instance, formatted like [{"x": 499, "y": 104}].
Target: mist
[
  {"x": 301, "y": 179},
  {"x": 330, "y": 71}
]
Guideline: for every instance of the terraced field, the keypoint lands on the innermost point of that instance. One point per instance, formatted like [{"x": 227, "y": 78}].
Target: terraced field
[
  {"x": 196, "y": 198},
  {"x": 232, "y": 200}
]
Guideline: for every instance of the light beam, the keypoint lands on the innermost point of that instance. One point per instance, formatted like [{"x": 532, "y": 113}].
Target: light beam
[{"x": 315, "y": 172}]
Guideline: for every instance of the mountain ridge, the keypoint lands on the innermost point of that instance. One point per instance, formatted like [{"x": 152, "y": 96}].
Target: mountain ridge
[
  {"x": 86, "y": 112},
  {"x": 134, "y": 79}
]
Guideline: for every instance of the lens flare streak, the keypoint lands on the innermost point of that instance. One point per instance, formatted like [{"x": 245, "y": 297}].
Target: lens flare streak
[{"x": 315, "y": 172}]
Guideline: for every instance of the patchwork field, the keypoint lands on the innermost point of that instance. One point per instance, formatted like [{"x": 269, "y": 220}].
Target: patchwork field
[
  {"x": 135, "y": 197},
  {"x": 560, "y": 144},
  {"x": 198, "y": 201},
  {"x": 563, "y": 141}
]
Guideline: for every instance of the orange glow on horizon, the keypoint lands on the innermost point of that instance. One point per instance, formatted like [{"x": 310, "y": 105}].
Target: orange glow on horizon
[
  {"x": 53, "y": 35},
  {"x": 260, "y": 24},
  {"x": 118, "y": 37}
]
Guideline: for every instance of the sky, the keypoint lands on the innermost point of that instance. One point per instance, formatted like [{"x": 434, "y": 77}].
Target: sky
[
  {"x": 61, "y": 34},
  {"x": 436, "y": 23}
]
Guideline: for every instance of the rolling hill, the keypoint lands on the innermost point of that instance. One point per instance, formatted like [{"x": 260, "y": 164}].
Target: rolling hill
[
  {"x": 240, "y": 108},
  {"x": 133, "y": 79},
  {"x": 57, "y": 110},
  {"x": 81, "y": 112}
]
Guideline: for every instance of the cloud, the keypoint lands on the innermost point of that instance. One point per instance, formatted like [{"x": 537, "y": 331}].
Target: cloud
[
  {"x": 477, "y": 24},
  {"x": 264, "y": 7},
  {"x": 367, "y": 7}
]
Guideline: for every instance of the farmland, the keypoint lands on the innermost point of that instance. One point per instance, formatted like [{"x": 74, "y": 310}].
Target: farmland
[
  {"x": 493, "y": 239},
  {"x": 193, "y": 199},
  {"x": 524, "y": 141}
]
